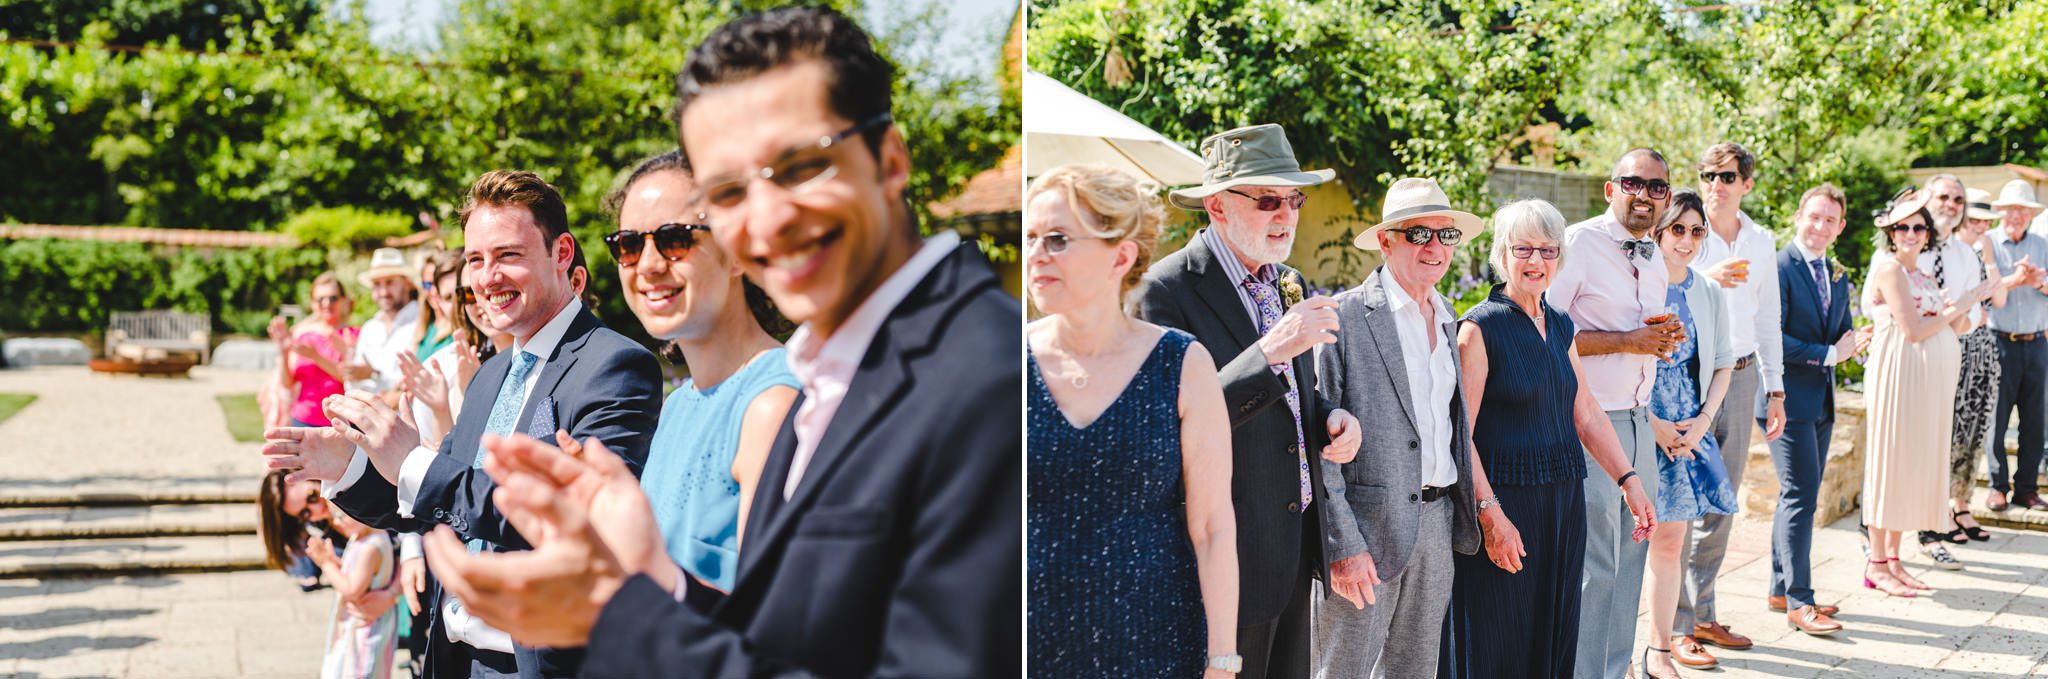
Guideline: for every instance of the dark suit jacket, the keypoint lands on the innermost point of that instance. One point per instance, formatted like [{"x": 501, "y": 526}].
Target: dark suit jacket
[
  {"x": 1276, "y": 540},
  {"x": 901, "y": 552},
  {"x": 1809, "y": 383},
  {"x": 597, "y": 382}
]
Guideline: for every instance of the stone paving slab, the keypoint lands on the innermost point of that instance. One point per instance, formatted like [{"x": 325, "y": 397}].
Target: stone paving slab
[
  {"x": 91, "y": 433},
  {"x": 240, "y": 625},
  {"x": 1988, "y": 620},
  {"x": 38, "y": 558},
  {"x": 52, "y": 523}
]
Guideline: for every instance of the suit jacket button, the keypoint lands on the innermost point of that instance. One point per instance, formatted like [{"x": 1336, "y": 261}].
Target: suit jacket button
[
  {"x": 1414, "y": 497},
  {"x": 1412, "y": 445},
  {"x": 1294, "y": 507}
]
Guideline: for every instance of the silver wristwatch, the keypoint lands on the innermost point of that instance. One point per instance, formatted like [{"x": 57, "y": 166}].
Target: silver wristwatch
[
  {"x": 1233, "y": 664},
  {"x": 1488, "y": 502}
]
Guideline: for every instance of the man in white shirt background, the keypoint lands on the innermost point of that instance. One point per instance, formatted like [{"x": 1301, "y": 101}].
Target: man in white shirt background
[{"x": 393, "y": 285}]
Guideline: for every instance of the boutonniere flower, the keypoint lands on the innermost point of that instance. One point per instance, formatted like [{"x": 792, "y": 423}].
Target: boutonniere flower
[
  {"x": 1290, "y": 288},
  {"x": 1835, "y": 268}
]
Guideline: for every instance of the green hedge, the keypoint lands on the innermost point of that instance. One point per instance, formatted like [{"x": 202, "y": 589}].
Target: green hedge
[{"x": 65, "y": 286}]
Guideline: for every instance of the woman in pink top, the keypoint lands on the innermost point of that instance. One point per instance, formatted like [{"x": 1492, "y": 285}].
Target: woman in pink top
[{"x": 310, "y": 354}]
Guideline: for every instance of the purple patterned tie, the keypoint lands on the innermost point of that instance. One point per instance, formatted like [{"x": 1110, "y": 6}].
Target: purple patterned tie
[{"x": 1269, "y": 313}]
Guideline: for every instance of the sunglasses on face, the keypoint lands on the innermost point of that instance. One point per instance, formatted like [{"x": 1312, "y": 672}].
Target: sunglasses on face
[
  {"x": 797, "y": 169},
  {"x": 1728, "y": 177},
  {"x": 673, "y": 241},
  {"x": 1421, "y": 236},
  {"x": 1656, "y": 189},
  {"x": 1271, "y": 203},
  {"x": 1915, "y": 227},
  {"x": 1527, "y": 251},
  {"x": 465, "y": 295},
  {"x": 306, "y": 512},
  {"x": 1054, "y": 243},
  {"x": 1950, "y": 199},
  {"x": 1697, "y": 232}
]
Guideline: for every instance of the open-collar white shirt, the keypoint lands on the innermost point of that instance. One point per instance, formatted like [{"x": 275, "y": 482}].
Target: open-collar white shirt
[{"x": 1432, "y": 378}]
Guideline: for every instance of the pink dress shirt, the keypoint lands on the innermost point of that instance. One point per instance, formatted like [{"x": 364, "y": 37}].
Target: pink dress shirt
[
  {"x": 825, "y": 366},
  {"x": 1605, "y": 290}
]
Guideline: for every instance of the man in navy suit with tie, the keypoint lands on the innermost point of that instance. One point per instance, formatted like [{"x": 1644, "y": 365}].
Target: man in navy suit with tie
[
  {"x": 1815, "y": 311},
  {"x": 886, "y": 532},
  {"x": 565, "y": 371}
]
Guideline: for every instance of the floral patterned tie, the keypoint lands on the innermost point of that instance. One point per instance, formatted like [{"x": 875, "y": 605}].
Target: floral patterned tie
[{"x": 1269, "y": 314}]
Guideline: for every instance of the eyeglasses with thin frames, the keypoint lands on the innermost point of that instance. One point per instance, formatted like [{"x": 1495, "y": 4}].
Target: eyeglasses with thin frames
[
  {"x": 797, "y": 169},
  {"x": 1054, "y": 243},
  {"x": 1527, "y": 251}
]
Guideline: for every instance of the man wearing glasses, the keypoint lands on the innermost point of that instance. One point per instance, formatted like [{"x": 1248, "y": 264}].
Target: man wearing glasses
[
  {"x": 885, "y": 536},
  {"x": 1398, "y": 510},
  {"x": 1229, "y": 289},
  {"x": 1742, "y": 258},
  {"x": 1614, "y": 289}
]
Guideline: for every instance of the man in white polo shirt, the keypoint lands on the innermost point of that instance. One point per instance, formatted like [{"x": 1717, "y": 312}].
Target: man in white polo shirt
[{"x": 392, "y": 284}]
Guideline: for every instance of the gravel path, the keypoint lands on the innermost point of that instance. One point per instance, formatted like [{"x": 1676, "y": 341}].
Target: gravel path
[{"x": 91, "y": 433}]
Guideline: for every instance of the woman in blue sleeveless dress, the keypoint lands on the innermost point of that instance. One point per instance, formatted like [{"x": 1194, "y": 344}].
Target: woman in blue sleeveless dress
[
  {"x": 1691, "y": 383},
  {"x": 1132, "y": 541},
  {"x": 1515, "y": 607},
  {"x": 716, "y": 428}
]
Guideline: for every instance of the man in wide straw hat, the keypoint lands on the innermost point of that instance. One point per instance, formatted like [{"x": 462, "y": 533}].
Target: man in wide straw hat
[
  {"x": 393, "y": 284},
  {"x": 1230, "y": 290},
  {"x": 2021, "y": 327},
  {"x": 1396, "y": 365}
]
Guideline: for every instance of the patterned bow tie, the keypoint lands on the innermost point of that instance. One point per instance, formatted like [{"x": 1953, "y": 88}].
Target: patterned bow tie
[{"x": 1638, "y": 248}]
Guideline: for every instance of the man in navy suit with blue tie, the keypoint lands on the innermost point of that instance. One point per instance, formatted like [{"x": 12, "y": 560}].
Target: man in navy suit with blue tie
[
  {"x": 1815, "y": 311},
  {"x": 564, "y": 370},
  {"x": 886, "y": 533}
]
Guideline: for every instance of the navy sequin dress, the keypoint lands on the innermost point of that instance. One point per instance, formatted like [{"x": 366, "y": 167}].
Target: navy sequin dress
[{"x": 1113, "y": 590}]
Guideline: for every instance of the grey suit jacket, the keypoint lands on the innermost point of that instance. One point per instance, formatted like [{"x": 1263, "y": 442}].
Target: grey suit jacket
[{"x": 1376, "y": 499}]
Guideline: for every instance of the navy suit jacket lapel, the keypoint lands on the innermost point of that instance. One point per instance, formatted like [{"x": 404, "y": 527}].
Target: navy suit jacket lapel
[
  {"x": 558, "y": 363},
  {"x": 1215, "y": 288},
  {"x": 477, "y": 400}
]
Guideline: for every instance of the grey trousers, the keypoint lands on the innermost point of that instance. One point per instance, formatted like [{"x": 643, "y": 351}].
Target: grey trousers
[
  {"x": 1706, "y": 546},
  {"x": 1612, "y": 588},
  {"x": 1400, "y": 633}
]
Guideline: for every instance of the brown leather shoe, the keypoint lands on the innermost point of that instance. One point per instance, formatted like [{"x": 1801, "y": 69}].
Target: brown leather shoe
[
  {"x": 1778, "y": 605},
  {"x": 1719, "y": 635},
  {"x": 2030, "y": 501},
  {"x": 1687, "y": 651},
  {"x": 1812, "y": 621}
]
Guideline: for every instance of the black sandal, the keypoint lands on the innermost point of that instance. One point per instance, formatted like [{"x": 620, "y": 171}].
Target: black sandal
[{"x": 1974, "y": 532}]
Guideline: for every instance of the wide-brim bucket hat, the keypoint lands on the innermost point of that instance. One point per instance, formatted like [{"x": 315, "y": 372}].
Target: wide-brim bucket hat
[{"x": 1247, "y": 156}]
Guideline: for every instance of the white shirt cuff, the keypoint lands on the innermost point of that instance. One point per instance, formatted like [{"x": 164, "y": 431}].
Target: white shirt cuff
[
  {"x": 464, "y": 628},
  {"x": 411, "y": 474},
  {"x": 356, "y": 464},
  {"x": 409, "y": 547},
  {"x": 1832, "y": 358}
]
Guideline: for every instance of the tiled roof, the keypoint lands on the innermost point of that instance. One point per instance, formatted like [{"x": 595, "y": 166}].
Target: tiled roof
[
  {"x": 143, "y": 234},
  {"x": 999, "y": 189}
]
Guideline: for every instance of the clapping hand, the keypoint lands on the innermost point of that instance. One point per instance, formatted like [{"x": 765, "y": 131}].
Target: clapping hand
[
  {"x": 385, "y": 433},
  {"x": 315, "y": 453},
  {"x": 321, "y": 551},
  {"x": 425, "y": 382}
]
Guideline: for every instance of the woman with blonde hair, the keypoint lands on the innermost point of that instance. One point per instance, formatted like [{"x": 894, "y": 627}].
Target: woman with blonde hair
[{"x": 1129, "y": 461}]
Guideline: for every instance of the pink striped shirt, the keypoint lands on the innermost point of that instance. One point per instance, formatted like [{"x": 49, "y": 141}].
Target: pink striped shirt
[{"x": 1605, "y": 290}]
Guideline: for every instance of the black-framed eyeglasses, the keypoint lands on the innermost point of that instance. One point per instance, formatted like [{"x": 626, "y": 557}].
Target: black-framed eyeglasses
[
  {"x": 1420, "y": 236},
  {"x": 673, "y": 241},
  {"x": 1725, "y": 177},
  {"x": 1656, "y": 189},
  {"x": 797, "y": 169},
  {"x": 1054, "y": 243},
  {"x": 1527, "y": 251},
  {"x": 1915, "y": 227},
  {"x": 1270, "y": 203}
]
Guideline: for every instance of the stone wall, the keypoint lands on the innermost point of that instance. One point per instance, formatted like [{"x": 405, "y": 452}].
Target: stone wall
[{"x": 1841, "y": 480}]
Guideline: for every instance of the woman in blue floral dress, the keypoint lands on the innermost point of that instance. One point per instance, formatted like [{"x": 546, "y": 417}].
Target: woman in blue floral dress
[{"x": 1691, "y": 480}]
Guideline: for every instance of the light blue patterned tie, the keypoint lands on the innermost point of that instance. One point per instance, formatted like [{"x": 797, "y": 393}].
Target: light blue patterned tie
[
  {"x": 1269, "y": 314},
  {"x": 504, "y": 414}
]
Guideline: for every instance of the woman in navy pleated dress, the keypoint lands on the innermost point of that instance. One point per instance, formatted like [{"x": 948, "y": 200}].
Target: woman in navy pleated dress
[
  {"x": 1515, "y": 606},
  {"x": 1132, "y": 546}
]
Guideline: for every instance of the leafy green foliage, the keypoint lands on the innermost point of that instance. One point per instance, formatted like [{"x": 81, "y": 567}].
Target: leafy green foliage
[
  {"x": 73, "y": 286},
  {"x": 277, "y": 114},
  {"x": 346, "y": 228}
]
